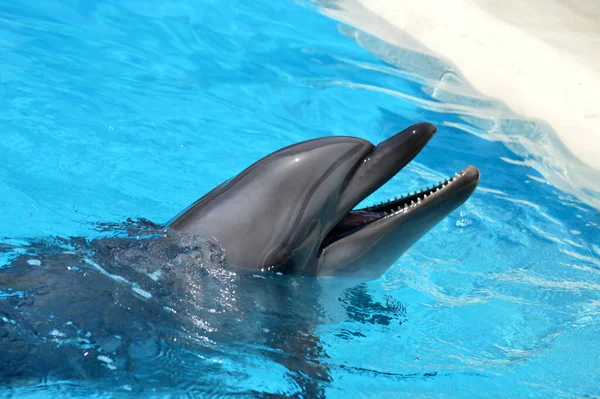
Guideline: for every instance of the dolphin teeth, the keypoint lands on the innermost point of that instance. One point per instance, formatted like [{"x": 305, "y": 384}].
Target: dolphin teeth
[
  {"x": 415, "y": 193},
  {"x": 412, "y": 202}
]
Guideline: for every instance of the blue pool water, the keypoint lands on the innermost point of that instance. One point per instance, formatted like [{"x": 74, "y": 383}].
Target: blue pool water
[{"x": 112, "y": 110}]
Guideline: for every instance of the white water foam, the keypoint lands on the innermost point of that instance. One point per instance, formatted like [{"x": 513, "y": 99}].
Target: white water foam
[{"x": 542, "y": 59}]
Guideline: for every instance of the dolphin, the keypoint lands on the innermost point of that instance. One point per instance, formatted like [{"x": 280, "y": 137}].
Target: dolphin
[
  {"x": 105, "y": 311},
  {"x": 293, "y": 211}
]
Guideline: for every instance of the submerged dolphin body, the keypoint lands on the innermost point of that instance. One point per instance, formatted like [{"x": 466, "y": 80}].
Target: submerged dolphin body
[{"x": 293, "y": 211}]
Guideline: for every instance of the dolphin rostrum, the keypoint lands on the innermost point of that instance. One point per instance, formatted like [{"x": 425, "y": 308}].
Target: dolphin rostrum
[{"x": 293, "y": 210}]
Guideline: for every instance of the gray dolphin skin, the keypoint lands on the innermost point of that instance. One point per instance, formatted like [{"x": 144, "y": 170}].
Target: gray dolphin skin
[{"x": 293, "y": 210}]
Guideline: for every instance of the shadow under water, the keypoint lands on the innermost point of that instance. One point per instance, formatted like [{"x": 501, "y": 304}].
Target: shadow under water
[{"x": 142, "y": 309}]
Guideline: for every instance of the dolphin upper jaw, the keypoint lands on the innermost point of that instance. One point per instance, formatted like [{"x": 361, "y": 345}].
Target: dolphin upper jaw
[{"x": 384, "y": 162}]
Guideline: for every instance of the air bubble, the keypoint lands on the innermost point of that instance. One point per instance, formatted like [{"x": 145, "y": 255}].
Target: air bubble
[{"x": 463, "y": 223}]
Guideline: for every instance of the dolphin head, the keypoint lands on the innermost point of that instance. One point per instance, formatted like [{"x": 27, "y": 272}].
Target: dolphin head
[{"x": 293, "y": 211}]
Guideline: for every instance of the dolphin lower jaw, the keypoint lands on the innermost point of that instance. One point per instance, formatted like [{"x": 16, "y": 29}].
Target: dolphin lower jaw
[{"x": 410, "y": 216}]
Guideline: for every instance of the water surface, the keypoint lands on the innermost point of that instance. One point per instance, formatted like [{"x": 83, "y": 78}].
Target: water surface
[{"x": 114, "y": 110}]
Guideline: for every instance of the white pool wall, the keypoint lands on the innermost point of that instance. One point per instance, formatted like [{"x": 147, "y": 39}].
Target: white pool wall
[{"x": 541, "y": 58}]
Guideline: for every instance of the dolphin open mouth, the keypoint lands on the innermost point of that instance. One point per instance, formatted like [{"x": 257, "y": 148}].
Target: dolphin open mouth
[
  {"x": 296, "y": 210},
  {"x": 403, "y": 206}
]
